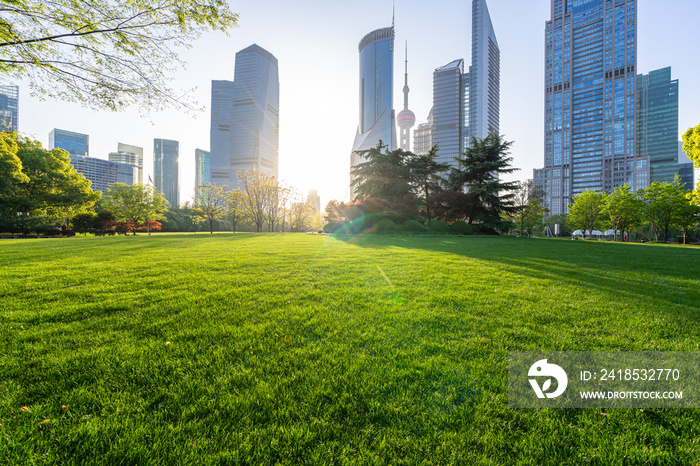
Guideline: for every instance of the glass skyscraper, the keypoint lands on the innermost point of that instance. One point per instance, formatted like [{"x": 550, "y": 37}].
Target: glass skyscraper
[
  {"x": 202, "y": 174},
  {"x": 9, "y": 108},
  {"x": 73, "y": 143},
  {"x": 450, "y": 113},
  {"x": 244, "y": 132},
  {"x": 657, "y": 127},
  {"x": 590, "y": 92},
  {"x": 484, "y": 75},
  {"x": 166, "y": 174},
  {"x": 377, "y": 119}
]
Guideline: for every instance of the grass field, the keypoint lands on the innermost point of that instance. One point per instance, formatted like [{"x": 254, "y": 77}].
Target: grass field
[{"x": 288, "y": 349}]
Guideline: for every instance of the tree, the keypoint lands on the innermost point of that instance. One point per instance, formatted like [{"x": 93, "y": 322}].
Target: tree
[
  {"x": 587, "y": 210},
  {"x": 624, "y": 209},
  {"x": 479, "y": 174},
  {"x": 426, "y": 175},
  {"x": 47, "y": 186},
  {"x": 234, "y": 207},
  {"x": 691, "y": 144},
  {"x": 687, "y": 216},
  {"x": 256, "y": 190},
  {"x": 529, "y": 207},
  {"x": 210, "y": 203},
  {"x": 10, "y": 166},
  {"x": 663, "y": 201},
  {"x": 136, "y": 204},
  {"x": 385, "y": 175},
  {"x": 104, "y": 55}
]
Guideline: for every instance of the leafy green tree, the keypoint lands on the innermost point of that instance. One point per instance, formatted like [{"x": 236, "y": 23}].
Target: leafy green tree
[
  {"x": 687, "y": 216},
  {"x": 210, "y": 204},
  {"x": 257, "y": 191},
  {"x": 234, "y": 207},
  {"x": 426, "y": 174},
  {"x": 479, "y": 173},
  {"x": 623, "y": 209},
  {"x": 691, "y": 144},
  {"x": 10, "y": 166},
  {"x": 529, "y": 207},
  {"x": 663, "y": 202},
  {"x": 586, "y": 212},
  {"x": 104, "y": 54},
  {"x": 179, "y": 218},
  {"x": 135, "y": 204},
  {"x": 385, "y": 175}
]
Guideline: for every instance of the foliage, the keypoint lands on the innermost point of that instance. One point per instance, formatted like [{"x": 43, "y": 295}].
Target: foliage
[
  {"x": 385, "y": 175},
  {"x": 210, "y": 203},
  {"x": 687, "y": 215},
  {"x": 10, "y": 166},
  {"x": 563, "y": 221},
  {"x": 105, "y": 55},
  {"x": 462, "y": 228},
  {"x": 438, "y": 226},
  {"x": 426, "y": 175},
  {"x": 623, "y": 209},
  {"x": 85, "y": 221},
  {"x": 136, "y": 204},
  {"x": 386, "y": 226},
  {"x": 178, "y": 218},
  {"x": 234, "y": 207},
  {"x": 413, "y": 226},
  {"x": 479, "y": 173},
  {"x": 586, "y": 212},
  {"x": 302, "y": 217},
  {"x": 663, "y": 205},
  {"x": 529, "y": 209},
  {"x": 691, "y": 144},
  {"x": 258, "y": 196}
]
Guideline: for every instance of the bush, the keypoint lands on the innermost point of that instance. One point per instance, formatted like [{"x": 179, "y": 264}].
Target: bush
[
  {"x": 438, "y": 226},
  {"x": 462, "y": 228},
  {"x": 413, "y": 226},
  {"x": 329, "y": 227},
  {"x": 386, "y": 226},
  {"x": 54, "y": 232}
]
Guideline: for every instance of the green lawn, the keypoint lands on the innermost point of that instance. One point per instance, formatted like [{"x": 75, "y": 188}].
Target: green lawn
[{"x": 286, "y": 349}]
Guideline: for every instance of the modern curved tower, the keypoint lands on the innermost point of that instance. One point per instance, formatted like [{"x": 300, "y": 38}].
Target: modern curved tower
[
  {"x": 406, "y": 118},
  {"x": 377, "y": 121}
]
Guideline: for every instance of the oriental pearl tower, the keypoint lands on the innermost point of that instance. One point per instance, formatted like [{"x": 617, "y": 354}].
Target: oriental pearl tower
[{"x": 406, "y": 118}]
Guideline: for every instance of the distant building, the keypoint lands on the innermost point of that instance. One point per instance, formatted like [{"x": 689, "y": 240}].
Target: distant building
[
  {"x": 166, "y": 174},
  {"x": 314, "y": 200},
  {"x": 423, "y": 136},
  {"x": 73, "y": 143},
  {"x": 9, "y": 108},
  {"x": 130, "y": 155},
  {"x": 657, "y": 127},
  {"x": 244, "y": 133},
  {"x": 377, "y": 119},
  {"x": 686, "y": 168},
  {"x": 202, "y": 173},
  {"x": 103, "y": 173},
  {"x": 450, "y": 127}
]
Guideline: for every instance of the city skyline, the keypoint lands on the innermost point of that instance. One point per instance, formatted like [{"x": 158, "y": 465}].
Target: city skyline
[{"x": 309, "y": 137}]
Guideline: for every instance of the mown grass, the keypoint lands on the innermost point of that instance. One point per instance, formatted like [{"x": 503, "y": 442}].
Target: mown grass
[{"x": 286, "y": 349}]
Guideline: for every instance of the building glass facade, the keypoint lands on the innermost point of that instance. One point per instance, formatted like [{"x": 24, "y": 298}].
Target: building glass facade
[
  {"x": 73, "y": 143},
  {"x": 484, "y": 75},
  {"x": 202, "y": 174},
  {"x": 450, "y": 113},
  {"x": 130, "y": 155},
  {"x": 166, "y": 174},
  {"x": 102, "y": 173},
  {"x": 244, "y": 132},
  {"x": 9, "y": 108},
  {"x": 590, "y": 92}
]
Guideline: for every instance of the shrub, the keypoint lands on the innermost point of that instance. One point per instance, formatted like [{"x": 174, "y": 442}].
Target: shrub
[
  {"x": 54, "y": 232},
  {"x": 438, "y": 226},
  {"x": 329, "y": 227},
  {"x": 386, "y": 226},
  {"x": 462, "y": 228},
  {"x": 68, "y": 232},
  {"x": 414, "y": 226}
]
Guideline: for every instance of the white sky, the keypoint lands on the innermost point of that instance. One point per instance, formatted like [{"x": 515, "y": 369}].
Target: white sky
[{"x": 316, "y": 42}]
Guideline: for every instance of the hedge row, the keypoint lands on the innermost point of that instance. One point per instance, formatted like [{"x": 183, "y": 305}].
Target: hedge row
[{"x": 388, "y": 226}]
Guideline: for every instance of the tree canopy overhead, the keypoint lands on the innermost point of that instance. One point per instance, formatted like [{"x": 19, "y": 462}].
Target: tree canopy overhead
[{"x": 107, "y": 54}]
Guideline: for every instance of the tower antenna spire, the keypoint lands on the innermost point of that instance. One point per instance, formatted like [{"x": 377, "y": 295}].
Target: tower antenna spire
[{"x": 393, "y": 12}]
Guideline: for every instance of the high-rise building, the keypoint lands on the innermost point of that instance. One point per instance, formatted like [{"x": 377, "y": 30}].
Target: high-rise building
[
  {"x": 130, "y": 155},
  {"x": 657, "y": 127},
  {"x": 9, "y": 108},
  {"x": 377, "y": 119},
  {"x": 166, "y": 174},
  {"x": 244, "y": 132},
  {"x": 406, "y": 118},
  {"x": 450, "y": 127},
  {"x": 686, "y": 168},
  {"x": 73, "y": 143},
  {"x": 102, "y": 173},
  {"x": 590, "y": 92},
  {"x": 423, "y": 136},
  {"x": 202, "y": 173},
  {"x": 484, "y": 75}
]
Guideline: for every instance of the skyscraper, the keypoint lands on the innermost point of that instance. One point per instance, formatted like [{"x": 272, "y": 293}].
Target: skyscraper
[
  {"x": 202, "y": 174},
  {"x": 130, "y": 155},
  {"x": 450, "y": 113},
  {"x": 9, "y": 108},
  {"x": 377, "y": 120},
  {"x": 102, "y": 173},
  {"x": 406, "y": 118},
  {"x": 244, "y": 132},
  {"x": 73, "y": 143},
  {"x": 166, "y": 174},
  {"x": 484, "y": 75},
  {"x": 590, "y": 91},
  {"x": 657, "y": 127}
]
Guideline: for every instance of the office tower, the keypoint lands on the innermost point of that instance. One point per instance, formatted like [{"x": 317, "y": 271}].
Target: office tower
[
  {"x": 314, "y": 200},
  {"x": 9, "y": 108},
  {"x": 166, "y": 175},
  {"x": 450, "y": 113},
  {"x": 102, "y": 173},
  {"x": 406, "y": 118},
  {"x": 657, "y": 127},
  {"x": 590, "y": 91},
  {"x": 130, "y": 155},
  {"x": 422, "y": 137},
  {"x": 484, "y": 75},
  {"x": 686, "y": 168},
  {"x": 377, "y": 120},
  {"x": 244, "y": 132},
  {"x": 202, "y": 174},
  {"x": 73, "y": 143}
]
